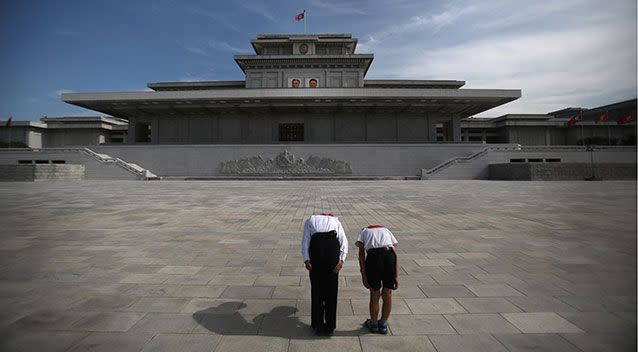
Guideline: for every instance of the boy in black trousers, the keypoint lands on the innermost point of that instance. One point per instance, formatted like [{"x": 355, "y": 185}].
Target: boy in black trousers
[{"x": 324, "y": 247}]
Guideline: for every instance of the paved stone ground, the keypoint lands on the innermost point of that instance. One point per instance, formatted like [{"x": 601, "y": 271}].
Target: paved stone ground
[{"x": 215, "y": 266}]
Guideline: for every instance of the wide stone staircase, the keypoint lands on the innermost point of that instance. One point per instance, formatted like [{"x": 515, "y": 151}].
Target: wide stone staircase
[
  {"x": 134, "y": 169},
  {"x": 97, "y": 166}
]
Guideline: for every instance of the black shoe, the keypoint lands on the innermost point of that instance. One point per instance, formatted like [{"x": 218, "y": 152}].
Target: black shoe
[
  {"x": 383, "y": 329},
  {"x": 374, "y": 328}
]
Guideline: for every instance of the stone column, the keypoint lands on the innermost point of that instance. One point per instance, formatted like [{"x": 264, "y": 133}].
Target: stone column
[
  {"x": 155, "y": 130},
  {"x": 131, "y": 130},
  {"x": 432, "y": 120},
  {"x": 456, "y": 128}
]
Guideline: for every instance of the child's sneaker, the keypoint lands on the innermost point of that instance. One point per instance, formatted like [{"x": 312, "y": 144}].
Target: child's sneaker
[
  {"x": 373, "y": 327},
  {"x": 383, "y": 328}
]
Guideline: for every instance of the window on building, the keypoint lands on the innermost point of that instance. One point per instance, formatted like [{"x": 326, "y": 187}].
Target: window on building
[
  {"x": 143, "y": 132},
  {"x": 291, "y": 132}
]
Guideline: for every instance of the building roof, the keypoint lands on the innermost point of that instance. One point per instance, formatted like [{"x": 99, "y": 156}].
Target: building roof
[
  {"x": 452, "y": 101},
  {"x": 405, "y": 83},
  {"x": 17, "y": 123},
  {"x": 368, "y": 83},
  {"x": 201, "y": 85},
  {"x": 363, "y": 60},
  {"x": 83, "y": 122},
  {"x": 279, "y": 39}
]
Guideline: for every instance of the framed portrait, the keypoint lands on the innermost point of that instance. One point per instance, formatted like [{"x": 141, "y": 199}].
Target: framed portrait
[
  {"x": 294, "y": 82},
  {"x": 312, "y": 82}
]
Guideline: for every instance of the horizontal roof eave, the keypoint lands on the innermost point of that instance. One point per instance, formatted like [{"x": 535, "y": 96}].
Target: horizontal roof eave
[
  {"x": 159, "y": 86},
  {"x": 67, "y": 120},
  {"x": 310, "y": 35},
  {"x": 292, "y": 93},
  {"x": 525, "y": 117},
  {"x": 86, "y": 125},
  {"x": 14, "y": 123},
  {"x": 302, "y": 57},
  {"x": 396, "y": 83},
  {"x": 241, "y": 60}
]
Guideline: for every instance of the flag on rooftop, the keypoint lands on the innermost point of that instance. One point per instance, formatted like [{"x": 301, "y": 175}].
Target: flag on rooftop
[
  {"x": 8, "y": 124},
  {"x": 300, "y": 16},
  {"x": 627, "y": 119},
  {"x": 602, "y": 118},
  {"x": 574, "y": 120}
]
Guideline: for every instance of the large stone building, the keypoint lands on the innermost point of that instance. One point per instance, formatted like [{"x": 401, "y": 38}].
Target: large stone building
[
  {"x": 306, "y": 109},
  {"x": 298, "y": 89}
]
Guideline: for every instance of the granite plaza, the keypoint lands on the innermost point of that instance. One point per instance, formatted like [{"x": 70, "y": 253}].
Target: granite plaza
[{"x": 216, "y": 265}]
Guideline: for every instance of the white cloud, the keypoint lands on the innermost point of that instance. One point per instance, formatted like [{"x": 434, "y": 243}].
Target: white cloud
[
  {"x": 338, "y": 7},
  {"x": 218, "y": 17},
  {"x": 432, "y": 22},
  {"x": 573, "y": 62},
  {"x": 259, "y": 8},
  {"x": 223, "y": 46},
  {"x": 192, "y": 49}
]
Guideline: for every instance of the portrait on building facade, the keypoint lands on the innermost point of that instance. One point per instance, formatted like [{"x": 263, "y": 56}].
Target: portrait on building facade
[
  {"x": 294, "y": 82},
  {"x": 312, "y": 82},
  {"x": 303, "y": 49}
]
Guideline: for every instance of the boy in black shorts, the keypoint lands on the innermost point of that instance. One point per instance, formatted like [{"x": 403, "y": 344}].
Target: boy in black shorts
[{"x": 379, "y": 268}]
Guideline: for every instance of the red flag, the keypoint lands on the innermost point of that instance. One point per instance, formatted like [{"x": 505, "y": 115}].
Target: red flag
[
  {"x": 626, "y": 119},
  {"x": 574, "y": 120},
  {"x": 602, "y": 118},
  {"x": 8, "y": 124},
  {"x": 300, "y": 16}
]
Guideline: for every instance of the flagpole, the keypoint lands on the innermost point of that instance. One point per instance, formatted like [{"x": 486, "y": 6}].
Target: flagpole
[
  {"x": 582, "y": 128},
  {"x": 608, "y": 132},
  {"x": 305, "y": 19}
]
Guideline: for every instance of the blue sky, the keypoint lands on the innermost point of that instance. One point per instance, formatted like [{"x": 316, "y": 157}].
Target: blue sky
[{"x": 559, "y": 53}]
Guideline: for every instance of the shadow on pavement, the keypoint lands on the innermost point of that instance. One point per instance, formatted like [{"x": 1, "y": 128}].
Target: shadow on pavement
[{"x": 225, "y": 319}]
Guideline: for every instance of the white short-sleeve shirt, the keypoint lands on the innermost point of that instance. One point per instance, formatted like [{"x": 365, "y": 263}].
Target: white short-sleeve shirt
[
  {"x": 375, "y": 236},
  {"x": 323, "y": 223}
]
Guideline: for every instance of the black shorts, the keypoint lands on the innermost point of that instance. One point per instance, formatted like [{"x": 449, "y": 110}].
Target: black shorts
[{"x": 380, "y": 268}]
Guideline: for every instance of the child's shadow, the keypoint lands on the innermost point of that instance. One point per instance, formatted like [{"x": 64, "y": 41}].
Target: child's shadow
[{"x": 225, "y": 319}]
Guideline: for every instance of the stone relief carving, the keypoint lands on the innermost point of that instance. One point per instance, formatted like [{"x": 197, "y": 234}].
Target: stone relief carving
[{"x": 285, "y": 163}]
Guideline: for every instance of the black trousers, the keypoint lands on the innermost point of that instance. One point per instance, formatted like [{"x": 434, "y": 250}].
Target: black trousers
[{"x": 324, "y": 256}]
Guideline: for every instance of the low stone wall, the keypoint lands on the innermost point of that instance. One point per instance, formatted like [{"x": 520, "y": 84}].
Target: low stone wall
[
  {"x": 561, "y": 171},
  {"x": 36, "y": 172},
  {"x": 252, "y": 159}
]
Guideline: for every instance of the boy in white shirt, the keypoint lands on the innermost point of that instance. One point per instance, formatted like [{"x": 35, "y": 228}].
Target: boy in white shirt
[
  {"x": 324, "y": 247},
  {"x": 379, "y": 268}
]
